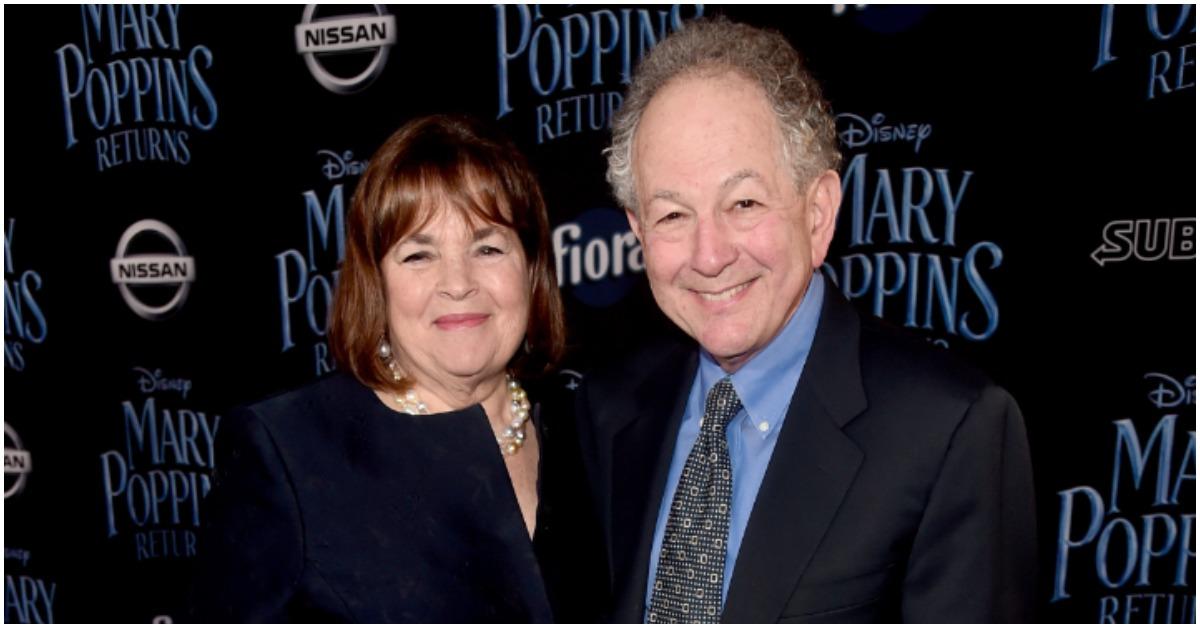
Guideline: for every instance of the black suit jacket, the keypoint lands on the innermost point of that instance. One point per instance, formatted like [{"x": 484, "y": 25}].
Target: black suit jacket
[
  {"x": 900, "y": 488},
  {"x": 328, "y": 506}
]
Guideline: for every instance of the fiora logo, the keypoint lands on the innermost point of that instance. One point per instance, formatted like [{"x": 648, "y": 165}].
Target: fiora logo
[
  {"x": 17, "y": 463},
  {"x": 174, "y": 268},
  {"x": 597, "y": 255},
  {"x": 318, "y": 38}
]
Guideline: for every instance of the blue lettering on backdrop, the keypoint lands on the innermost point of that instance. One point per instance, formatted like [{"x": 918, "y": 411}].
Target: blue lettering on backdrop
[
  {"x": 913, "y": 208},
  {"x": 24, "y": 321},
  {"x": 1171, "y": 393},
  {"x": 28, "y": 600},
  {"x": 157, "y": 483},
  {"x": 307, "y": 280},
  {"x": 154, "y": 381},
  {"x": 1171, "y": 69},
  {"x": 557, "y": 55},
  {"x": 105, "y": 83},
  {"x": 857, "y": 131},
  {"x": 20, "y": 555},
  {"x": 341, "y": 165},
  {"x": 1148, "y": 608},
  {"x": 1159, "y": 470},
  {"x": 312, "y": 289}
]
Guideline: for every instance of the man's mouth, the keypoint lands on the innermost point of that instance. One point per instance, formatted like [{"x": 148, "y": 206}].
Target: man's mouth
[{"x": 725, "y": 295}]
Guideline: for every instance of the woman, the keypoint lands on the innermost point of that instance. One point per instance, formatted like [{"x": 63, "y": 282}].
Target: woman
[{"x": 422, "y": 482}]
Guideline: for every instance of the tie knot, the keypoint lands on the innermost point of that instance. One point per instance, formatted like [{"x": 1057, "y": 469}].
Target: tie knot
[{"x": 721, "y": 406}]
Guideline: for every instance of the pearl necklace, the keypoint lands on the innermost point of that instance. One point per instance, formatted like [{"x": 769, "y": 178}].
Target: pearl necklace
[{"x": 510, "y": 440}]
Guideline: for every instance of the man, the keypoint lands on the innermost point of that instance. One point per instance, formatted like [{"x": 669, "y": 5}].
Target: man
[{"x": 801, "y": 463}]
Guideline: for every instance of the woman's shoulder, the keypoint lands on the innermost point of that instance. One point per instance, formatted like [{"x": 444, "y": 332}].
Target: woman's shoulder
[{"x": 336, "y": 394}]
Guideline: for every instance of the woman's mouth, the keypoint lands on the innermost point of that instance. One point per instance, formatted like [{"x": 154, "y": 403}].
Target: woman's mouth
[{"x": 460, "y": 321}]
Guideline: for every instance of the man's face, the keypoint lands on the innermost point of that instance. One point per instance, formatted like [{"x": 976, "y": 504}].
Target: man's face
[{"x": 730, "y": 243}]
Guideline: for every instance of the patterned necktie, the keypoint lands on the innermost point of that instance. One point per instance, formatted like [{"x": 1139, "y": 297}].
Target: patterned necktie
[{"x": 691, "y": 566}]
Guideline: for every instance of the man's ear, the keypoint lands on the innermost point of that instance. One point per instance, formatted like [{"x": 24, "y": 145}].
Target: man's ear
[
  {"x": 823, "y": 199},
  {"x": 634, "y": 223}
]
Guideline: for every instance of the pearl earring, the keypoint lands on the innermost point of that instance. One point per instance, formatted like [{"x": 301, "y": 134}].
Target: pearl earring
[{"x": 385, "y": 355}]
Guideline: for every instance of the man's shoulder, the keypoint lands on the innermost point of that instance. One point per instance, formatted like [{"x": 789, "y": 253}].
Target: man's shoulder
[{"x": 898, "y": 365}]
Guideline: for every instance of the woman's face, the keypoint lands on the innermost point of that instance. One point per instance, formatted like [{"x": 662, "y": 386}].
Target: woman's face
[{"x": 457, "y": 300}]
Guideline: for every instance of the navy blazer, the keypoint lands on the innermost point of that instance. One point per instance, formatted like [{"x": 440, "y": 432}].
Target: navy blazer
[
  {"x": 329, "y": 506},
  {"x": 900, "y": 488}
]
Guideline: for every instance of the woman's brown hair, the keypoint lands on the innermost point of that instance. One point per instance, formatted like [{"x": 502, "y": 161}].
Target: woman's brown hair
[{"x": 431, "y": 164}]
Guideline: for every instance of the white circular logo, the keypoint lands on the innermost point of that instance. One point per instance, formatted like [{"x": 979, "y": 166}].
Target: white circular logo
[
  {"x": 17, "y": 463},
  {"x": 175, "y": 268},
  {"x": 319, "y": 37}
]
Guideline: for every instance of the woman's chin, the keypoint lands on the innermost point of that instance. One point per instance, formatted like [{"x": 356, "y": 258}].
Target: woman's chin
[{"x": 471, "y": 370}]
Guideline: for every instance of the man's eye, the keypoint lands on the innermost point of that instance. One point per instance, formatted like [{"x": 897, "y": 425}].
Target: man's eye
[
  {"x": 745, "y": 203},
  {"x": 669, "y": 218}
]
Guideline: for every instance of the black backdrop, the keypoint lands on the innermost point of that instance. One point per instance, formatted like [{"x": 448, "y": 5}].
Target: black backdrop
[{"x": 1020, "y": 188}]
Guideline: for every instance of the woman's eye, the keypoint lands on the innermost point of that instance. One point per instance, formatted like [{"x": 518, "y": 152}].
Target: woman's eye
[
  {"x": 415, "y": 257},
  {"x": 489, "y": 250}
]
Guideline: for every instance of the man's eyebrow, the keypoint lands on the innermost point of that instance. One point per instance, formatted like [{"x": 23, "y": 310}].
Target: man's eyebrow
[
  {"x": 730, "y": 181},
  {"x": 739, "y": 176},
  {"x": 666, "y": 195}
]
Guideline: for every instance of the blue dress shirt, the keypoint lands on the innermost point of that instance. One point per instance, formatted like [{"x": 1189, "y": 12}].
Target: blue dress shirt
[{"x": 765, "y": 385}]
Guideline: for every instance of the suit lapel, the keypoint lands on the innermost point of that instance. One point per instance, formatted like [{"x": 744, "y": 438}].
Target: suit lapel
[
  {"x": 642, "y": 451},
  {"x": 812, "y": 467}
]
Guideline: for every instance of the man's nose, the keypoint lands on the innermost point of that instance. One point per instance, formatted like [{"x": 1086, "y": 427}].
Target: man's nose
[{"x": 714, "y": 249}]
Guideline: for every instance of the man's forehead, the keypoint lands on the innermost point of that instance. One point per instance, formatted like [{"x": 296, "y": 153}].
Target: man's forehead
[
  {"x": 718, "y": 128},
  {"x": 703, "y": 105}
]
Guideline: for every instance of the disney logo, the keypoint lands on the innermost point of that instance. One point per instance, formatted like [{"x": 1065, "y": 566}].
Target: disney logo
[
  {"x": 1171, "y": 393},
  {"x": 857, "y": 131},
  {"x": 22, "y": 555},
  {"x": 153, "y": 381},
  {"x": 337, "y": 166}
]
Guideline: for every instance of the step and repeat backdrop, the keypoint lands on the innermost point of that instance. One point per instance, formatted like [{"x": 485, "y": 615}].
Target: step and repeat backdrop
[{"x": 1019, "y": 188}]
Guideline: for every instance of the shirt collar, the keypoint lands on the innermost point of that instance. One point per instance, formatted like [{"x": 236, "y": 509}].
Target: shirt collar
[{"x": 766, "y": 382}]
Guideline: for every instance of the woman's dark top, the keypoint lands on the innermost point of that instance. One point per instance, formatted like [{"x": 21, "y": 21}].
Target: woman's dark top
[{"x": 329, "y": 506}]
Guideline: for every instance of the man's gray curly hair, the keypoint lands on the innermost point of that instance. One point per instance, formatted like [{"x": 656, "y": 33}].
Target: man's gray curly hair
[{"x": 714, "y": 46}]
